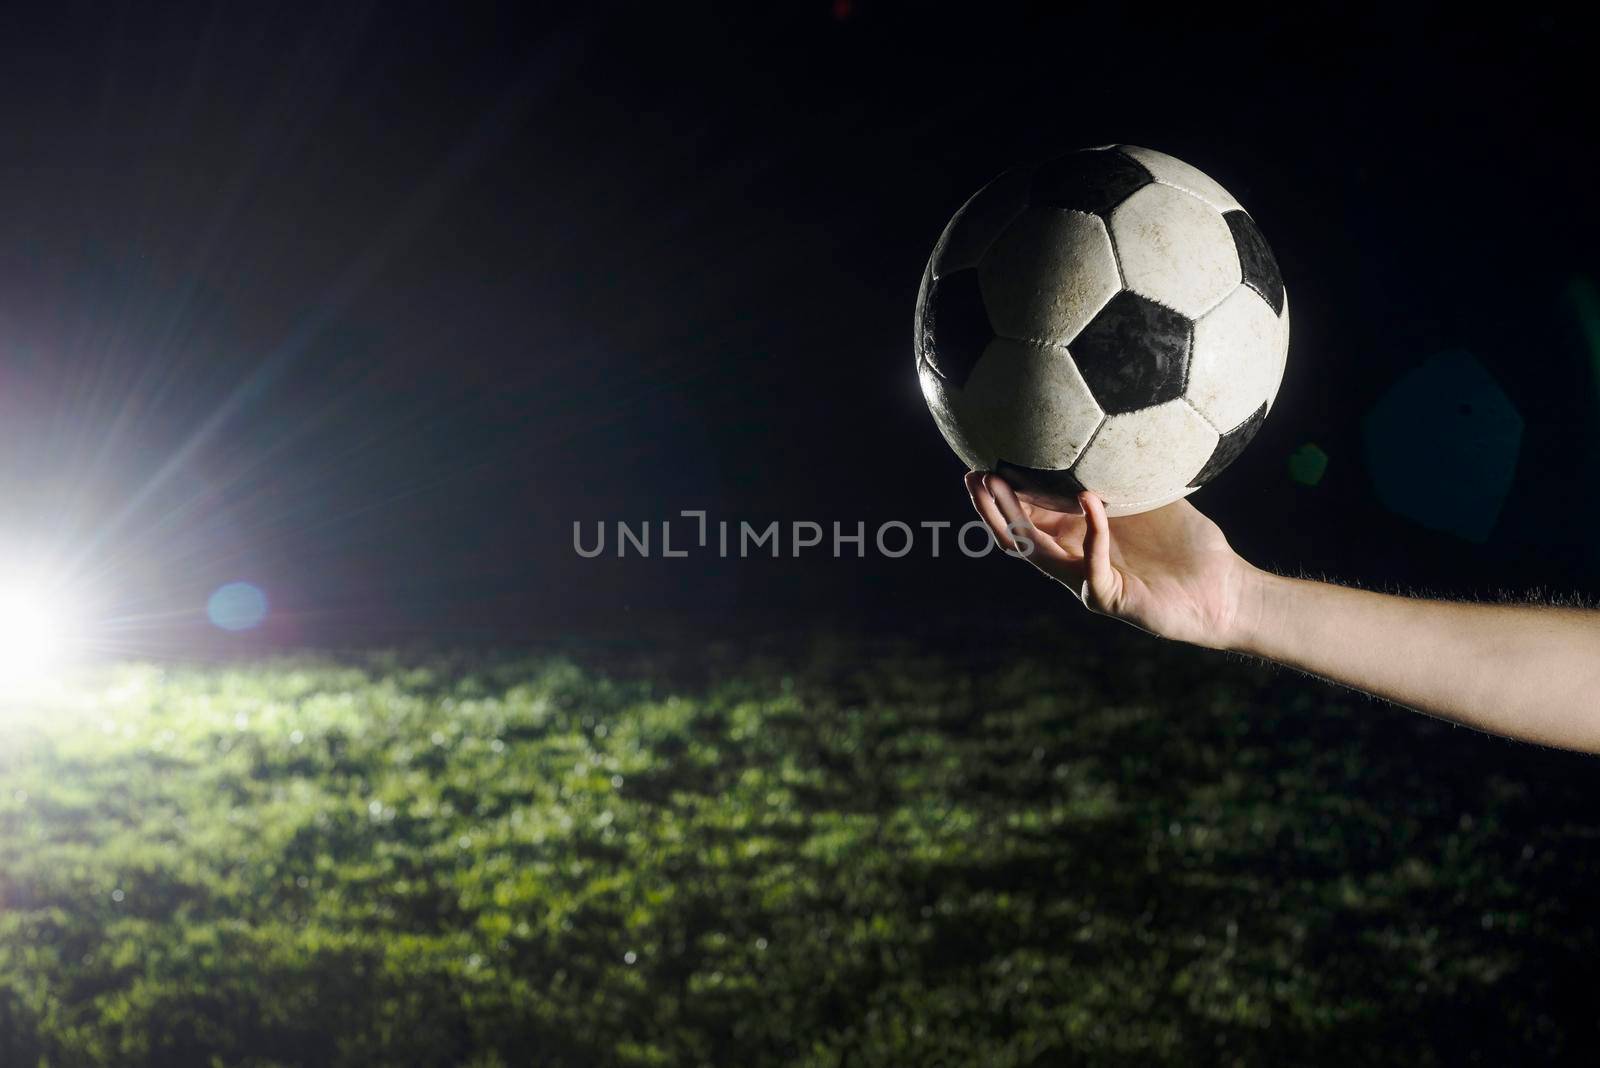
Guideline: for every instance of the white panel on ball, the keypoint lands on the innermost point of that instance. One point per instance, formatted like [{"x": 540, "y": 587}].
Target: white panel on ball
[
  {"x": 940, "y": 397},
  {"x": 1139, "y": 457},
  {"x": 1027, "y": 403},
  {"x": 1180, "y": 175},
  {"x": 1114, "y": 510},
  {"x": 1048, "y": 274},
  {"x": 1236, "y": 360},
  {"x": 1175, "y": 249}
]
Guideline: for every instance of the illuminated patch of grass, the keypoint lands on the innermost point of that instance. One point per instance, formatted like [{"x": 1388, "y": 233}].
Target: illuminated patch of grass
[{"x": 837, "y": 855}]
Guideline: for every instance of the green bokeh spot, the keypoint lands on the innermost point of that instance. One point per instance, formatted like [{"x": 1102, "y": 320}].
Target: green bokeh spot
[
  {"x": 1307, "y": 464},
  {"x": 1586, "y": 303}
]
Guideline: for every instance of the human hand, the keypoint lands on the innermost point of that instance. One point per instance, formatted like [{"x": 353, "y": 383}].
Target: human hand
[{"x": 1169, "y": 571}]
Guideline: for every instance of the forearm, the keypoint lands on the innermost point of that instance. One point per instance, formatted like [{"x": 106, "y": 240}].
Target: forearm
[{"x": 1529, "y": 672}]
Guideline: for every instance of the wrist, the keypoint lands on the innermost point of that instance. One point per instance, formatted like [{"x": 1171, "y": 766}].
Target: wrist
[{"x": 1251, "y": 614}]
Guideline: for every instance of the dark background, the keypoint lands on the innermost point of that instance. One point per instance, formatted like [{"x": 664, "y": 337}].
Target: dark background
[{"x": 368, "y": 304}]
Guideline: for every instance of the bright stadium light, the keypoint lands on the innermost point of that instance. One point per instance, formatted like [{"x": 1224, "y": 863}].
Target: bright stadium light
[{"x": 38, "y": 632}]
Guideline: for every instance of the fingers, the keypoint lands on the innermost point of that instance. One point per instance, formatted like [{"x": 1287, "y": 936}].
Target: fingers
[
  {"x": 1100, "y": 578},
  {"x": 1043, "y": 551},
  {"x": 1069, "y": 506},
  {"x": 1011, "y": 510},
  {"x": 1089, "y": 575},
  {"x": 984, "y": 502}
]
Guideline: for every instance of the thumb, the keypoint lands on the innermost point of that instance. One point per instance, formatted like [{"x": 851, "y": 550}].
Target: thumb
[{"x": 1100, "y": 579}]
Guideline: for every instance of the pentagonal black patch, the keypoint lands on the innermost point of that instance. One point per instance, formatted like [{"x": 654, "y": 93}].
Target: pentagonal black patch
[
  {"x": 1052, "y": 489},
  {"x": 1256, "y": 261},
  {"x": 1231, "y": 445},
  {"x": 1094, "y": 181},
  {"x": 954, "y": 328},
  {"x": 973, "y": 229},
  {"x": 1134, "y": 354}
]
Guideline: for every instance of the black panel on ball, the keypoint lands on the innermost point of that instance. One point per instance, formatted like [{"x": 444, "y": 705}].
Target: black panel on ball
[
  {"x": 1231, "y": 445},
  {"x": 1134, "y": 354},
  {"x": 1256, "y": 261},
  {"x": 955, "y": 327},
  {"x": 1052, "y": 489},
  {"x": 1093, "y": 181}
]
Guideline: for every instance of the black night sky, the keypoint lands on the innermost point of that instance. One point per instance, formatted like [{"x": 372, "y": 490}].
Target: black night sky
[{"x": 367, "y": 304}]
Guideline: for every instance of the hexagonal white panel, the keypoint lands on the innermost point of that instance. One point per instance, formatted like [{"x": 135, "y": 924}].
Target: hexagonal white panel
[
  {"x": 1175, "y": 249},
  {"x": 1144, "y": 456},
  {"x": 1027, "y": 403},
  {"x": 941, "y": 400},
  {"x": 1180, "y": 175},
  {"x": 1047, "y": 275},
  {"x": 1236, "y": 359},
  {"x": 1149, "y": 506}
]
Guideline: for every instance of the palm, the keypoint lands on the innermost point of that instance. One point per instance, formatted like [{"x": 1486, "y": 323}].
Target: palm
[{"x": 1171, "y": 570}]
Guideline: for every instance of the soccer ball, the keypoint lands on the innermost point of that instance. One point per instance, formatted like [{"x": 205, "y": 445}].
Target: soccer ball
[{"x": 1109, "y": 320}]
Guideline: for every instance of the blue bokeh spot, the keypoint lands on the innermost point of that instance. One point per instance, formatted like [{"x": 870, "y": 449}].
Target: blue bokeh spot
[
  {"x": 237, "y": 606},
  {"x": 1442, "y": 446}
]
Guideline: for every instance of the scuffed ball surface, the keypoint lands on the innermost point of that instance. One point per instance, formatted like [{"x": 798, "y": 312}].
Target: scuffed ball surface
[{"x": 1111, "y": 319}]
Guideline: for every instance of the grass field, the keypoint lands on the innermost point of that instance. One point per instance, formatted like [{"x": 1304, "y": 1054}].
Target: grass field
[{"x": 825, "y": 853}]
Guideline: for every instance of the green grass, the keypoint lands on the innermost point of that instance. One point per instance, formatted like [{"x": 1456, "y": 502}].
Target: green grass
[{"x": 843, "y": 854}]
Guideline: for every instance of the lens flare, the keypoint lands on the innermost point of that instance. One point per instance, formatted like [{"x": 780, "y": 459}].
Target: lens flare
[
  {"x": 38, "y": 631},
  {"x": 237, "y": 606}
]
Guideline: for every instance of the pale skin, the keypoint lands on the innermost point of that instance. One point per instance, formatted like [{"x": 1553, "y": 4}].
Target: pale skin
[{"x": 1530, "y": 672}]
